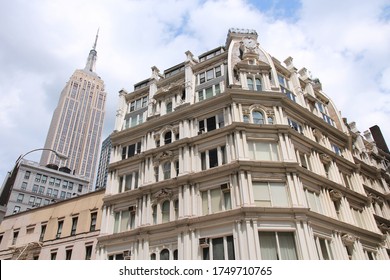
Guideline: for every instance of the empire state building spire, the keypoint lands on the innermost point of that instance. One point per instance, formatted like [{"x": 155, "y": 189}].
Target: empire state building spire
[{"x": 92, "y": 57}]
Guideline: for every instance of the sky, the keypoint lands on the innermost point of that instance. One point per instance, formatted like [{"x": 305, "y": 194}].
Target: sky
[{"x": 344, "y": 43}]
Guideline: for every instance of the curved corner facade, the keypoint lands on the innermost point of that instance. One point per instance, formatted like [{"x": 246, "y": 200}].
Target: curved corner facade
[{"x": 236, "y": 155}]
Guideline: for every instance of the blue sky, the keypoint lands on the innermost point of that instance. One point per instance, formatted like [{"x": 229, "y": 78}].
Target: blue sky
[{"x": 344, "y": 44}]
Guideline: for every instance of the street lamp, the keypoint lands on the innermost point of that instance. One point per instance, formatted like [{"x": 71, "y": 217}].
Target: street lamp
[{"x": 11, "y": 176}]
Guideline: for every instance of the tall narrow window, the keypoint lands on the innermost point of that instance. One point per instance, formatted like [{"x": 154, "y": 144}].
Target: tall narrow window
[
  {"x": 169, "y": 107},
  {"x": 168, "y": 137},
  {"x": 88, "y": 252},
  {"x": 165, "y": 211},
  {"x": 42, "y": 235},
  {"x": 167, "y": 170},
  {"x": 15, "y": 237},
  {"x": 258, "y": 84},
  {"x": 68, "y": 254},
  {"x": 59, "y": 229},
  {"x": 250, "y": 83},
  {"x": 323, "y": 248},
  {"x": 92, "y": 226},
  {"x": 154, "y": 214},
  {"x": 74, "y": 225}
]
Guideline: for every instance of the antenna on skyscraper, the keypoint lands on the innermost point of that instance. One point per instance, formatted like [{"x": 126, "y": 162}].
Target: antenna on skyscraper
[{"x": 97, "y": 35}]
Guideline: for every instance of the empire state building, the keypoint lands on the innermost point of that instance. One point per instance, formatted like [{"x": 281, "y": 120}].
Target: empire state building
[{"x": 77, "y": 122}]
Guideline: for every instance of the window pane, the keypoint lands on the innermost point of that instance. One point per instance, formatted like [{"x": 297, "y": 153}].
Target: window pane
[
  {"x": 324, "y": 250},
  {"x": 205, "y": 206},
  {"x": 213, "y": 158},
  {"x": 131, "y": 150},
  {"x": 209, "y": 92},
  {"x": 268, "y": 246},
  {"x": 164, "y": 255},
  {"x": 287, "y": 246},
  {"x": 211, "y": 124},
  {"x": 258, "y": 117},
  {"x": 230, "y": 248},
  {"x": 250, "y": 83},
  {"x": 165, "y": 211},
  {"x": 116, "y": 222},
  {"x": 274, "y": 151},
  {"x": 218, "y": 253},
  {"x": 125, "y": 220},
  {"x": 210, "y": 74},
  {"x": 262, "y": 151},
  {"x": 261, "y": 194},
  {"x": 279, "y": 195},
  {"x": 216, "y": 203},
  {"x": 227, "y": 200}
]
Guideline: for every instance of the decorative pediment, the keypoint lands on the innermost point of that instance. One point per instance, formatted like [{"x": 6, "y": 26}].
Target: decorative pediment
[
  {"x": 166, "y": 155},
  {"x": 162, "y": 195}
]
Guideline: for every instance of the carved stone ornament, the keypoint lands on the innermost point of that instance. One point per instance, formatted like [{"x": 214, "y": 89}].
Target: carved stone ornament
[
  {"x": 325, "y": 158},
  {"x": 383, "y": 227},
  {"x": 371, "y": 197},
  {"x": 162, "y": 194},
  {"x": 380, "y": 200},
  {"x": 348, "y": 239},
  {"x": 317, "y": 133},
  {"x": 270, "y": 113},
  {"x": 335, "y": 195}
]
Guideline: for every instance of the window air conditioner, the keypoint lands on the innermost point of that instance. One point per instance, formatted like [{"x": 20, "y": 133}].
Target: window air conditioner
[
  {"x": 225, "y": 187},
  {"x": 127, "y": 255}
]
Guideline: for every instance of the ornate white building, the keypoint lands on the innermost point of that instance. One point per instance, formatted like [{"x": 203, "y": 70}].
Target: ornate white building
[{"x": 234, "y": 155}]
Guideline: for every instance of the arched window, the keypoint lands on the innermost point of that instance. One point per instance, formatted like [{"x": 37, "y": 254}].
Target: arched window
[
  {"x": 258, "y": 84},
  {"x": 165, "y": 211},
  {"x": 153, "y": 256},
  {"x": 164, "y": 255},
  {"x": 258, "y": 117},
  {"x": 168, "y": 137},
  {"x": 250, "y": 83},
  {"x": 169, "y": 107},
  {"x": 167, "y": 170}
]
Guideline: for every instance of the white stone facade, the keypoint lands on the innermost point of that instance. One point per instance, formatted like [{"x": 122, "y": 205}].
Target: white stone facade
[{"x": 233, "y": 155}]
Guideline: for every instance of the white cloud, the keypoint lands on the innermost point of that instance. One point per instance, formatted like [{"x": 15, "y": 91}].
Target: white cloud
[{"x": 340, "y": 42}]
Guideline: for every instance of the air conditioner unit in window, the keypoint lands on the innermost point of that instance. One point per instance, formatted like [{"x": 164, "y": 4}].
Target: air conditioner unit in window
[
  {"x": 127, "y": 255},
  {"x": 132, "y": 208},
  {"x": 225, "y": 187},
  {"x": 204, "y": 242}
]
